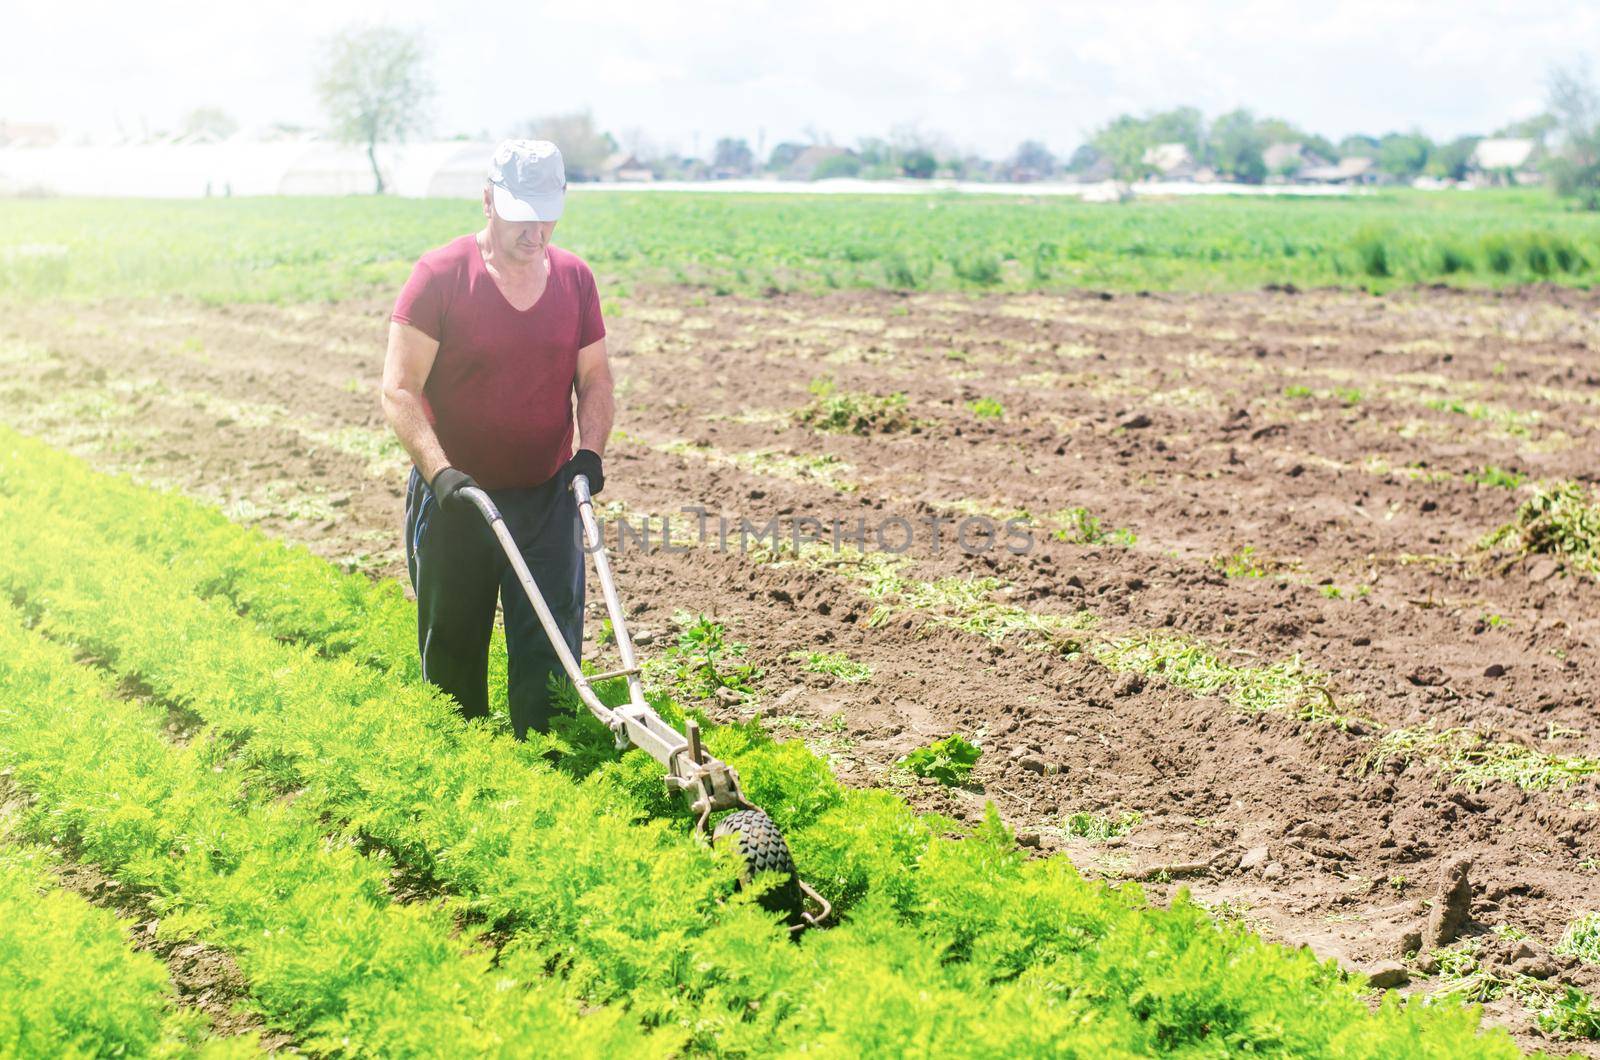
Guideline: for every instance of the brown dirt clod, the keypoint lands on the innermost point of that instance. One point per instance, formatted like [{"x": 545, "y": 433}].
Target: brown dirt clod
[{"x": 1452, "y": 904}]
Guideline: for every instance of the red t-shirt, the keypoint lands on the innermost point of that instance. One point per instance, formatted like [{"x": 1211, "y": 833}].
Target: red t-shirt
[{"x": 500, "y": 393}]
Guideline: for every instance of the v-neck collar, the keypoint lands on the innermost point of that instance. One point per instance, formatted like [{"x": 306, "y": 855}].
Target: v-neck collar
[{"x": 477, "y": 249}]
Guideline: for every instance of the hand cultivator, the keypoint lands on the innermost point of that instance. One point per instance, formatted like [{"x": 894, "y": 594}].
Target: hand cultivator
[{"x": 708, "y": 784}]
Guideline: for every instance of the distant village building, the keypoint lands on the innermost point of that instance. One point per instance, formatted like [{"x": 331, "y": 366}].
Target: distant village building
[
  {"x": 1290, "y": 161},
  {"x": 1171, "y": 161},
  {"x": 1505, "y": 161},
  {"x": 1352, "y": 169},
  {"x": 625, "y": 166}
]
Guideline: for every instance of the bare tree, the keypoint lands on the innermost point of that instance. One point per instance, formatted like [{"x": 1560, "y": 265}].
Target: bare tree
[
  {"x": 1575, "y": 103},
  {"x": 375, "y": 87},
  {"x": 584, "y": 148},
  {"x": 733, "y": 155},
  {"x": 1032, "y": 161}
]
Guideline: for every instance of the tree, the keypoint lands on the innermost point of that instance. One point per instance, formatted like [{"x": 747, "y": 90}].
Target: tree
[
  {"x": 374, "y": 86},
  {"x": 918, "y": 163},
  {"x": 1404, "y": 154},
  {"x": 915, "y": 151},
  {"x": 1236, "y": 147},
  {"x": 840, "y": 165},
  {"x": 1278, "y": 131},
  {"x": 1320, "y": 146},
  {"x": 733, "y": 155},
  {"x": 1124, "y": 143},
  {"x": 208, "y": 123},
  {"x": 783, "y": 156},
  {"x": 971, "y": 166},
  {"x": 584, "y": 148},
  {"x": 1181, "y": 125},
  {"x": 1535, "y": 128},
  {"x": 878, "y": 160},
  {"x": 1452, "y": 161},
  {"x": 1575, "y": 167},
  {"x": 1083, "y": 159},
  {"x": 874, "y": 151},
  {"x": 1031, "y": 161},
  {"x": 1358, "y": 146}
]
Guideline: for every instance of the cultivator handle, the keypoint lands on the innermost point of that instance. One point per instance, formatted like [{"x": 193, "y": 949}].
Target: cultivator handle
[{"x": 707, "y": 783}]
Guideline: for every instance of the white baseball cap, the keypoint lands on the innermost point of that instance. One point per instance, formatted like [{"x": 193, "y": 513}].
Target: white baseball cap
[{"x": 530, "y": 181}]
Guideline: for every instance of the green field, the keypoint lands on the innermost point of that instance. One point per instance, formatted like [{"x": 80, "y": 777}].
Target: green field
[
  {"x": 282, "y": 747},
  {"x": 329, "y": 249},
  {"x": 234, "y": 734}
]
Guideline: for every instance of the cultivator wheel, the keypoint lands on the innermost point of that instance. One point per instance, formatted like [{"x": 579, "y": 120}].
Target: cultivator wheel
[{"x": 762, "y": 847}]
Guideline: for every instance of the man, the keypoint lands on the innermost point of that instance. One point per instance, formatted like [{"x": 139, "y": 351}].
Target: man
[{"x": 489, "y": 341}]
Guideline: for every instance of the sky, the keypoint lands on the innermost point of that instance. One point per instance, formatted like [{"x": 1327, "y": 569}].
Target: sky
[{"x": 980, "y": 75}]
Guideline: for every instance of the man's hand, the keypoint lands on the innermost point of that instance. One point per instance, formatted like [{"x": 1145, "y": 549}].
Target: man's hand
[
  {"x": 586, "y": 462},
  {"x": 447, "y": 486}
]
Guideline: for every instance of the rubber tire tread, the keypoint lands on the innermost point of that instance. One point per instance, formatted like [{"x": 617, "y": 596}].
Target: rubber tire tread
[{"x": 763, "y": 849}]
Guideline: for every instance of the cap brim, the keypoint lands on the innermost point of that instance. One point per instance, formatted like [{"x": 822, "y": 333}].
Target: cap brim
[{"x": 511, "y": 208}]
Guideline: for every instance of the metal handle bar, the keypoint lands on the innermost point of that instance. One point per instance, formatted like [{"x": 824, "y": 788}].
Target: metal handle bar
[{"x": 708, "y": 783}]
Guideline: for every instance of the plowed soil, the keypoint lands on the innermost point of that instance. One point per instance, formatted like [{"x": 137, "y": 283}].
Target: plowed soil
[{"x": 1332, "y": 443}]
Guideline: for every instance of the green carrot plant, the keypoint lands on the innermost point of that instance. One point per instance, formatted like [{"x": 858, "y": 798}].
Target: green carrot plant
[
  {"x": 54, "y": 944},
  {"x": 938, "y": 935}
]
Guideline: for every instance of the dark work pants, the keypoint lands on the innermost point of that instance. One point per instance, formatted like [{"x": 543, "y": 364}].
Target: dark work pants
[{"x": 458, "y": 569}]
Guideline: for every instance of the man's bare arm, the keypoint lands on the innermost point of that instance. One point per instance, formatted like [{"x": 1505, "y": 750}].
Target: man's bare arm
[
  {"x": 405, "y": 371},
  {"x": 596, "y": 403}
]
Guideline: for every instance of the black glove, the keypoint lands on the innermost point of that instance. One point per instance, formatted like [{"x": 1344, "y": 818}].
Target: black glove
[
  {"x": 586, "y": 462},
  {"x": 447, "y": 486}
]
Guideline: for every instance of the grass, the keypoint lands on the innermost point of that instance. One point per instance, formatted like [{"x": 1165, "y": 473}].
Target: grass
[
  {"x": 987, "y": 409},
  {"x": 1081, "y": 527},
  {"x": 969, "y": 604},
  {"x": 1472, "y": 759},
  {"x": 1515, "y": 422},
  {"x": 849, "y": 412},
  {"x": 1563, "y": 1013},
  {"x": 1463, "y": 978},
  {"x": 1561, "y": 519},
  {"x": 1099, "y": 827},
  {"x": 1490, "y": 475},
  {"x": 1582, "y": 938},
  {"x": 330, "y": 249},
  {"x": 1240, "y": 564},
  {"x": 1286, "y": 685},
  {"x": 834, "y": 664},
  {"x": 964, "y": 603}
]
